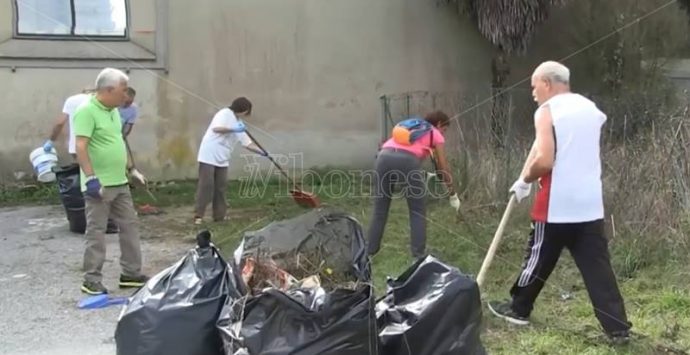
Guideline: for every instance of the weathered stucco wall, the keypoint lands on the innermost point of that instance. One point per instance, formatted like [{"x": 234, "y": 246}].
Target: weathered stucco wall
[{"x": 314, "y": 69}]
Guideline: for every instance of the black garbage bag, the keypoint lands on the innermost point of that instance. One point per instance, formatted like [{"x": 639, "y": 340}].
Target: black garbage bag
[
  {"x": 278, "y": 323},
  {"x": 176, "y": 311},
  {"x": 431, "y": 309},
  {"x": 335, "y": 317}
]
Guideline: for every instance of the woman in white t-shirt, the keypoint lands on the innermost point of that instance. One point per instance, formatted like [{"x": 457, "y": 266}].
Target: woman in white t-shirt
[{"x": 224, "y": 132}]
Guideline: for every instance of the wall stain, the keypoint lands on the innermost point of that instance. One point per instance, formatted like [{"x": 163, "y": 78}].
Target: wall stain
[
  {"x": 16, "y": 166},
  {"x": 172, "y": 132},
  {"x": 29, "y": 131},
  {"x": 176, "y": 150}
]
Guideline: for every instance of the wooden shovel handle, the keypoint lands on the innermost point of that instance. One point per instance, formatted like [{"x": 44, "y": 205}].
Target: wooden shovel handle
[{"x": 497, "y": 240}]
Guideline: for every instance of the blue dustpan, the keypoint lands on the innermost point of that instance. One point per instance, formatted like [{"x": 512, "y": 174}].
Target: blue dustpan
[{"x": 101, "y": 301}]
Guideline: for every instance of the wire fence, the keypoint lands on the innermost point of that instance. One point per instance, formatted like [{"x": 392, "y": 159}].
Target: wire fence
[
  {"x": 471, "y": 111},
  {"x": 472, "y": 135},
  {"x": 645, "y": 149}
]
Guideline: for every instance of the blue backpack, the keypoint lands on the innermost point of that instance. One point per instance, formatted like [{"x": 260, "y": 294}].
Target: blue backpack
[{"x": 408, "y": 131}]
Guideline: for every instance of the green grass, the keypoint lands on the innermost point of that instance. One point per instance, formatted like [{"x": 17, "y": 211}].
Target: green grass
[
  {"x": 655, "y": 288},
  {"x": 36, "y": 194}
]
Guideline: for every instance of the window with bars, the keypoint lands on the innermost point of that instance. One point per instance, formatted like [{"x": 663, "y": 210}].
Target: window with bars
[{"x": 72, "y": 19}]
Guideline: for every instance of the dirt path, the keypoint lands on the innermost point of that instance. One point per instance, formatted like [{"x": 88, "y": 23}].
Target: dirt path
[{"x": 40, "y": 275}]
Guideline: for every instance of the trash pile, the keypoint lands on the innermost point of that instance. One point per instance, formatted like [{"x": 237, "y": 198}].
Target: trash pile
[
  {"x": 309, "y": 289},
  {"x": 324, "y": 246},
  {"x": 300, "y": 286}
]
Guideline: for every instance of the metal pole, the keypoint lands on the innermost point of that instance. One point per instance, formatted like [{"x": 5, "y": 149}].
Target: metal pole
[{"x": 384, "y": 123}]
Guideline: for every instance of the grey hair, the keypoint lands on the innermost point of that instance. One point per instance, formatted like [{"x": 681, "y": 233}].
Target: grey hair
[
  {"x": 553, "y": 72},
  {"x": 110, "y": 77}
]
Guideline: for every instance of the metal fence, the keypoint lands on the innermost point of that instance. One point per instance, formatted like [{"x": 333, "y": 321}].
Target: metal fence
[
  {"x": 471, "y": 113},
  {"x": 481, "y": 158},
  {"x": 642, "y": 125}
]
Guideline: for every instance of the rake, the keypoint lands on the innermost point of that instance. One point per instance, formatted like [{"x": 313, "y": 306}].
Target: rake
[{"x": 302, "y": 198}]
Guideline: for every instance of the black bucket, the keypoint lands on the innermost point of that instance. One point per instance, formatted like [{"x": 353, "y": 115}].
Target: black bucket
[
  {"x": 77, "y": 220},
  {"x": 67, "y": 178},
  {"x": 72, "y": 199}
]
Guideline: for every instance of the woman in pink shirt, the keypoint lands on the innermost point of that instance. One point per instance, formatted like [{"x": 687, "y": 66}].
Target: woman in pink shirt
[{"x": 401, "y": 163}]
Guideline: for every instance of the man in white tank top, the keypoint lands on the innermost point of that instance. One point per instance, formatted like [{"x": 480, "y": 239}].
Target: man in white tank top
[{"x": 568, "y": 210}]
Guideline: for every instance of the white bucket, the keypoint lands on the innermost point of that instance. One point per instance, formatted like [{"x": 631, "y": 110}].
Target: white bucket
[{"x": 43, "y": 164}]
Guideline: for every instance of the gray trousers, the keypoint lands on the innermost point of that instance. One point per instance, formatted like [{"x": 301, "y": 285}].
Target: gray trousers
[
  {"x": 213, "y": 182},
  {"x": 112, "y": 227},
  {"x": 117, "y": 203},
  {"x": 403, "y": 168}
]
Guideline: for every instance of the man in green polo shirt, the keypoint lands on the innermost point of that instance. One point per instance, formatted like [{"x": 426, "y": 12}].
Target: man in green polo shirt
[{"x": 104, "y": 163}]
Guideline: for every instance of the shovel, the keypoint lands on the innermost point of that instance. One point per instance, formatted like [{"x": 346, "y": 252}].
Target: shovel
[
  {"x": 101, "y": 301},
  {"x": 302, "y": 198},
  {"x": 494, "y": 243}
]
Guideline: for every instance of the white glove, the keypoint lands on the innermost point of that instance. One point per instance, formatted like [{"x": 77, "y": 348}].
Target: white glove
[
  {"x": 521, "y": 189},
  {"x": 455, "y": 202},
  {"x": 138, "y": 176},
  {"x": 430, "y": 176}
]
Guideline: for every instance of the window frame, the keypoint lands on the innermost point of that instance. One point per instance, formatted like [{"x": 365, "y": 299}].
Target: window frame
[
  {"x": 71, "y": 37},
  {"x": 17, "y": 54}
]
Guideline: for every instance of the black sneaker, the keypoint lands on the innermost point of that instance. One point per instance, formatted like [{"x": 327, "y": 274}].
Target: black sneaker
[
  {"x": 621, "y": 337},
  {"x": 133, "y": 281},
  {"x": 93, "y": 288},
  {"x": 505, "y": 310}
]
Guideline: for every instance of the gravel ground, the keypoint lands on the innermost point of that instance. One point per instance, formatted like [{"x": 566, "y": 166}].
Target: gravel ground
[{"x": 40, "y": 276}]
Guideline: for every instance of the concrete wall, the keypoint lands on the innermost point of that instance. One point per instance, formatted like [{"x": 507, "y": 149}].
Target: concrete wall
[{"x": 315, "y": 70}]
